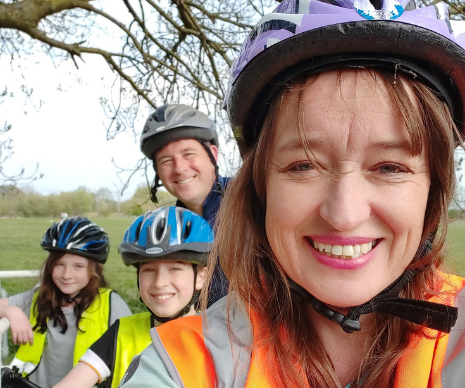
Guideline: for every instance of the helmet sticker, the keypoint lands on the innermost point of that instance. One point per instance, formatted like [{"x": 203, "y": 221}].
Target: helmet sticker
[
  {"x": 390, "y": 10},
  {"x": 154, "y": 250}
]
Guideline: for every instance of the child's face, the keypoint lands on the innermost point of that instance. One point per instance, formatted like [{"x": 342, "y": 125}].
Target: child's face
[
  {"x": 70, "y": 274},
  {"x": 166, "y": 287}
]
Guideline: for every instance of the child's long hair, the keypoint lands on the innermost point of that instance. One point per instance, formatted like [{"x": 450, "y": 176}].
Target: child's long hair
[{"x": 50, "y": 299}]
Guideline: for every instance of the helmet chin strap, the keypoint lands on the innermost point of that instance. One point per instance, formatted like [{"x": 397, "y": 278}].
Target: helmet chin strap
[
  {"x": 218, "y": 188},
  {"x": 432, "y": 315},
  {"x": 156, "y": 184}
]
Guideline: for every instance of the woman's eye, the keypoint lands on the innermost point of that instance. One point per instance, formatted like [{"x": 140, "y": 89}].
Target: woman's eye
[
  {"x": 387, "y": 169},
  {"x": 301, "y": 167}
]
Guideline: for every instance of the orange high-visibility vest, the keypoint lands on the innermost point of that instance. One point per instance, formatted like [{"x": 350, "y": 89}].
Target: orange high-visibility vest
[{"x": 199, "y": 361}]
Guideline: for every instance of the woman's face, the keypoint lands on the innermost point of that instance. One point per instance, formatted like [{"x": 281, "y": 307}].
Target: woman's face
[{"x": 364, "y": 209}]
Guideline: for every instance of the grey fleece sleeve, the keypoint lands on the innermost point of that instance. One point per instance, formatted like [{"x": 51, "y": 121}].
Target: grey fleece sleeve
[
  {"x": 147, "y": 370},
  {"x": 119, "y": 308},
  {"x": 23, "y": 301}
]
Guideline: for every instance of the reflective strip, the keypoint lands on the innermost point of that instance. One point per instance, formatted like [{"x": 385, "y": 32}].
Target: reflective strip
[
  {"x": 165, "y": 357},
  {"x": 422, "y": 365},
  {"x": 456, "y": 339},
  {"x": 231, "y": 354},
  {"x": 453, "y": 374}
]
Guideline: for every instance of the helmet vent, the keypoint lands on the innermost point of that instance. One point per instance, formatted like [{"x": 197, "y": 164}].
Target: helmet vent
[
  {"x": 188, "y": 114},
  {"x": 378, "y": 4},
  {"x": 411, "y": 5},
  {"x": 160, "y": 229},
  {"x": 161, "y": 114},
  {"x": 137, "y": 232},
  {"x": 187, "y": 230}
]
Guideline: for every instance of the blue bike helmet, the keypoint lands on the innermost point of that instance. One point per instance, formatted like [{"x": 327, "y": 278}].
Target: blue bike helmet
[
  {"x": 80, "y": 236},
  {"x": 168, "y": 233}
]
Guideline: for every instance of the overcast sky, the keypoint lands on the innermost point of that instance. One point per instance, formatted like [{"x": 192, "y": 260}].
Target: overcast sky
[{"x": 66, "y": 136}]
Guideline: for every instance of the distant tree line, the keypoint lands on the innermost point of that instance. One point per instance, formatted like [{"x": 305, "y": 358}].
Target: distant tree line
[{"x": 25, "y": 202}]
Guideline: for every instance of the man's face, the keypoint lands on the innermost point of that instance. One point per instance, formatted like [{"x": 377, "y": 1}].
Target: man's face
[{"x": 186, "y": 171}]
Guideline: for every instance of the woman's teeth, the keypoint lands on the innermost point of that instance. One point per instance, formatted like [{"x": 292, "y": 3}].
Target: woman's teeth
[{"x": 344, "y": 251}]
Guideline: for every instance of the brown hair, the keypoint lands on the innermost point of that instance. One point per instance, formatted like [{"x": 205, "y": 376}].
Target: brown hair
[
  {"x": 51, "y": 299},
  {"x": 242, "y": 246}
]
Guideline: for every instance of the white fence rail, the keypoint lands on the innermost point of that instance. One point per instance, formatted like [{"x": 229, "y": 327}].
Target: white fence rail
[
  {"x": 19, "y": 274},
  {"x": 4, "y": 326}
]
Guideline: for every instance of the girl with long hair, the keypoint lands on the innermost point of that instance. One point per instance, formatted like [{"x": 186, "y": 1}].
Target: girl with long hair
[
  {"x": 332, "y": 234},
  {"x": 72, "y": 307}
]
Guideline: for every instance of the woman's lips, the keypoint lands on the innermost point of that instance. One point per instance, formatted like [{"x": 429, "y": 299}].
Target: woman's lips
[
  {"x": 339, "y": 251},
  {"x": 347, "y": 256}
]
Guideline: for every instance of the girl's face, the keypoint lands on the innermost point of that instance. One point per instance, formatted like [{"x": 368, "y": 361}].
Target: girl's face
[
  {"x": 166, "y": 287},
  {"x": 346, "y": 231},
  {"x": 70, "y": 274}
]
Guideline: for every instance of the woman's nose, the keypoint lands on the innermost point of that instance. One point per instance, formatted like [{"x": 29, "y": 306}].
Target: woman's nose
[{"x": 346, "y": 202}]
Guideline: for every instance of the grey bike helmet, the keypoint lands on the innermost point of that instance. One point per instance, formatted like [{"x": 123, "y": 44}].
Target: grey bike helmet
[{"x": 175, "y": 122}]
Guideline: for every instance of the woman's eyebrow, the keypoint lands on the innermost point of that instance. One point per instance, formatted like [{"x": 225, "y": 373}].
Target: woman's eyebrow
[
  {"x": 297, "y": 145},
  {"x": 402, "y": 145}
]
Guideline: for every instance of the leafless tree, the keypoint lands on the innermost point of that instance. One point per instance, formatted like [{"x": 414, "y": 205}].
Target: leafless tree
[
  {"x": 10, "y": 180},
  {"x": 160, "y": 50}
]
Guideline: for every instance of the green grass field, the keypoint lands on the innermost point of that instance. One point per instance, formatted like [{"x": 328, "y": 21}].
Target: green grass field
[{"x": 20, "y": 249}]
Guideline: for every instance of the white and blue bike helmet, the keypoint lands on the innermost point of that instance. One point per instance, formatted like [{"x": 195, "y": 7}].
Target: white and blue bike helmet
[{"x": 168, "y": 233}]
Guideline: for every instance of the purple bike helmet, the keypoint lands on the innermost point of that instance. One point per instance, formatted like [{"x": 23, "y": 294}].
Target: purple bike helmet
[{"x": 311, "y": 35}]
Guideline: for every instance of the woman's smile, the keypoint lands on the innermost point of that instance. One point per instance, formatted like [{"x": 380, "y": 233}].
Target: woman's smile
[
  {"x": 347, "y": 257},
  {"x": 342, "y": 251}
]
